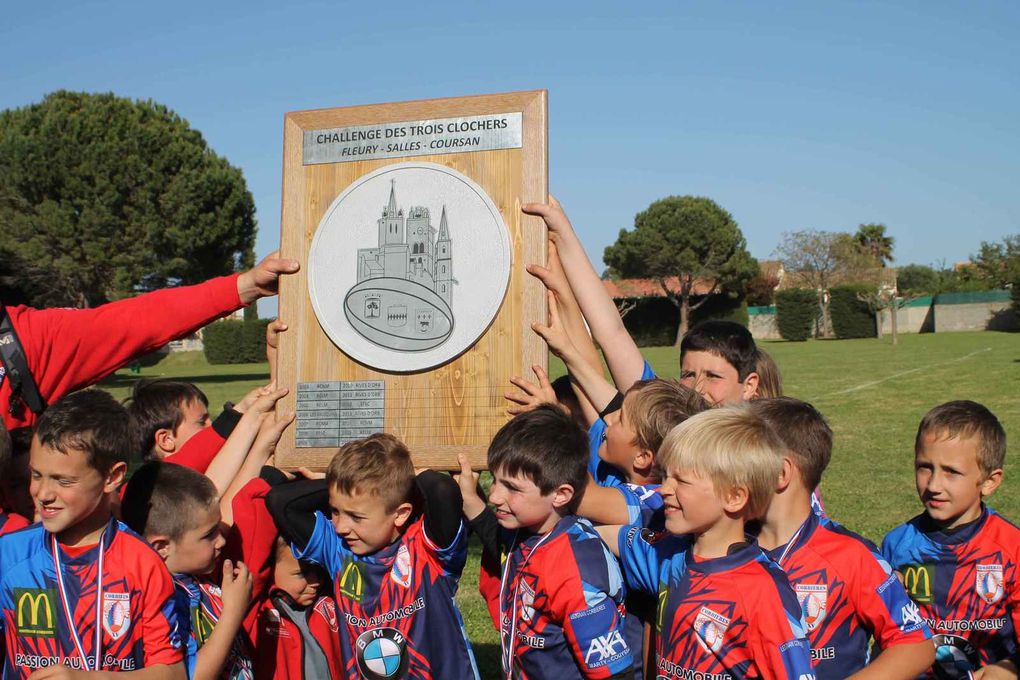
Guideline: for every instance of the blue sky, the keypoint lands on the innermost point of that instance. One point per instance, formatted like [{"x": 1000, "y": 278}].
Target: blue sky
[{"x": 791, "y": 115}]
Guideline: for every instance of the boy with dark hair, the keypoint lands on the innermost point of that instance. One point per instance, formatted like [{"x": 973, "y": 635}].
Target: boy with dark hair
[
  {"x": 561, "y": 609},
  {"x": 719, "y": 360},
  {"x": 395, "y": 549},
  {"x": 725, "y": 610},
  {"x": 79, "y": 590},
  {"x": 168, "y": 414},
  {"x": 847, "y": 592},
  {"x": 958, "y": 559},
  {"x": 177, "y": 511}
]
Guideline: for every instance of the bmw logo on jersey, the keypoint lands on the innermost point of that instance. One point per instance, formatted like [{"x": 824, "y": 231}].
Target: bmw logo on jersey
[{"x": 382, "y": 654}]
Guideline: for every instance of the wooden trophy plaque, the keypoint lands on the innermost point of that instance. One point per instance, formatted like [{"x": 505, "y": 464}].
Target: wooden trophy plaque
[{"x": 412, "y": 307}]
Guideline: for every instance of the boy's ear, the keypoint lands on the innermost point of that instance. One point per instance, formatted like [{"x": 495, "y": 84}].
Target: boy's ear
[
  {"x": 735, "y": 499},
  {"x": 644, "y": 460},
  {"x": 991, "y": 483},
  {"x": 562, "y": 495},
  {"x": 115, "y": 477},
  {"x": 402, "y": 514},
  {"x": 750, "y": 386},
  {"x": 786, "y": 475},
  {"x": 161, "y": 544},
  {"x": 165, "y": 441}
]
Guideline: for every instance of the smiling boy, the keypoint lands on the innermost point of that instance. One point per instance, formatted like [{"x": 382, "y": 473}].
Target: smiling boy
[
  {"x": 561, "y": 612},
  {"x": 395, "y": 547},
  {"x": 79, "y": 592},
  {"x": 719, "y": 360},
  {"x": 958, "y": 559}
]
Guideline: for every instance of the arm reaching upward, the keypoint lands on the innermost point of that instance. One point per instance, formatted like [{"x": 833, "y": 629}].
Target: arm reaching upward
[{"x": 626, "y": 364}]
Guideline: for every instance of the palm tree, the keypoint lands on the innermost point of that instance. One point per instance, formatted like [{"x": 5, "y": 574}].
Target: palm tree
[{"x": 872, "y": 240}]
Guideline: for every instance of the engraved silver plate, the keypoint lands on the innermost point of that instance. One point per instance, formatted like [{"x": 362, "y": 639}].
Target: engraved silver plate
[
  {"x": 330, "y": 414},
  {"x": 413, "y": 138}
]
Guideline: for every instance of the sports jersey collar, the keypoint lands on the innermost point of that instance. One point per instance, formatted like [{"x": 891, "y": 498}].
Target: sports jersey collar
[
  {"x": 798, "y": 541},
  {"x": 530, "y": 540},
  {"x": 90, "y": 555},
  {"x": 958, "y": 535},
  {"x": 749, "y": 553}
]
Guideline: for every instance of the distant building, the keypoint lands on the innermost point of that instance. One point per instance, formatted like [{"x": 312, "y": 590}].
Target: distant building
[{"x": 409, "y": 248}]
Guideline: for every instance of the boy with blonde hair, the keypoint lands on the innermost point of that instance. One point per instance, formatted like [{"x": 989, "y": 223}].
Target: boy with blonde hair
[
  {"x": 958, "y": 559},
  {"x": 724, "y": 608},
  {"x": 395, "y": 546}
]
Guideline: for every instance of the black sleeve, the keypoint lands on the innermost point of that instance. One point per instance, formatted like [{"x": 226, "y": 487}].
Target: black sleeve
[
  {"x": 442, "y": 505},
  {"x": 226, "y": 421},
  {"x": 486, "y": 528},
  {"x": 293, "y": 507},
  {"x": 615, "y": 404},
  {"x": 272, "y": 476}
]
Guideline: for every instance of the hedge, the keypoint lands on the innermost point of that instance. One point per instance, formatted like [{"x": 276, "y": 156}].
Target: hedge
[
  {"x": 851, "y": 316},
  {"x": 796, "y": 311},
  {"x": 653, "y": 321},
  {"x": 235, "y": 342}
]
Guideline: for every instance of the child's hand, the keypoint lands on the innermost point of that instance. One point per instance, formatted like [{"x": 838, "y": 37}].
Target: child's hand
[
  {"x": 468, "y": 482},
  {"x": 236, "y": 588},
  {"x": 308, "y": 474},
  {"x": 270, "y": 432},
  {"x": 253, "y": 396},
  {"x": 552, "y": 275},
  {"x": 273, "y": 331},
  {"x": 531, "y": 396},
  {"x": 556, "y": 220},
  {"x": 554, "y": 334},
  {"x": 266, "y": 401},
  {"x": 1003, "y": 670}
]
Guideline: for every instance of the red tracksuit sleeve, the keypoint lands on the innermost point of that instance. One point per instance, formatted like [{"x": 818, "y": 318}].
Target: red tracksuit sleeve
[
  {"x": 253, "y": 540},
  {"x": 68, "y": 349}
]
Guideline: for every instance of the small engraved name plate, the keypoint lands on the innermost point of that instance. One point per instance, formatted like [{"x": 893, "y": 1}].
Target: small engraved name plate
[
  {"x": 333, "y": 413},
  {"x": 413, "y": 138}
]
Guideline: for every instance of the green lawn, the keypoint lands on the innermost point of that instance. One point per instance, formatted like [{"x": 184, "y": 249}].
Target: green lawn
[{"x": 873, "y": 394}]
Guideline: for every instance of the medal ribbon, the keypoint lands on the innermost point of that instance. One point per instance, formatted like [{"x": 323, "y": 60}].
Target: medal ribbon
[
  {"x": 509, "y": 650},
  {"x": 64, "y": 600}
]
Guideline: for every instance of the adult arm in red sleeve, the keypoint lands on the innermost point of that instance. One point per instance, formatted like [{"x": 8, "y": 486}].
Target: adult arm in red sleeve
[{"x": 68, "y": 349}]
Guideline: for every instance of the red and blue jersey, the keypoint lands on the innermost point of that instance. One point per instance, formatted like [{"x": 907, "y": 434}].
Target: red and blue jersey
[
  {"x": 398, "y": 618},
  {"x": 965, "y": 584},
  {"x": 51, "y": 617},
  {"x": 848, "y": 594},
  {"x": 729, "y": 617},
  {"x": 205, "y": 605},
  {"x": 11, "y": 522},
  {"x": 561, "y": 605}
]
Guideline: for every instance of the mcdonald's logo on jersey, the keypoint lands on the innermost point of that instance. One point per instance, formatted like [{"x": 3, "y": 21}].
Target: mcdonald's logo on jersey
[
  {"x": 352, "y": 581},
  {"x": 918, "y": 580},
  {"x": 37, "y": 615}
]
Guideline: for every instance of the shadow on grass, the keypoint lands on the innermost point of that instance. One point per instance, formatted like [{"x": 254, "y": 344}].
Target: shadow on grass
[{"x": 120, "y": 380}]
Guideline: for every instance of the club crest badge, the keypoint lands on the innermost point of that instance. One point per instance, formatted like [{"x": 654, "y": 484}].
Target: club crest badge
[
  {"x": 382, "y": 654},
  {"x": 401, "y": 571},
  {"x": 327, "y": 610},
  {"x": 116, "y": 614},
  {"x": 710, "y": 628},
  {"x": 527, "y": 602},
  {"x": 989, "y": 582},
  {"x": 813, "y": 600}
]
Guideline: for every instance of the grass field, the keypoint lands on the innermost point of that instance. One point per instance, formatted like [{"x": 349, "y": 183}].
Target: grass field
[{"x": 873, "y": 394}]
